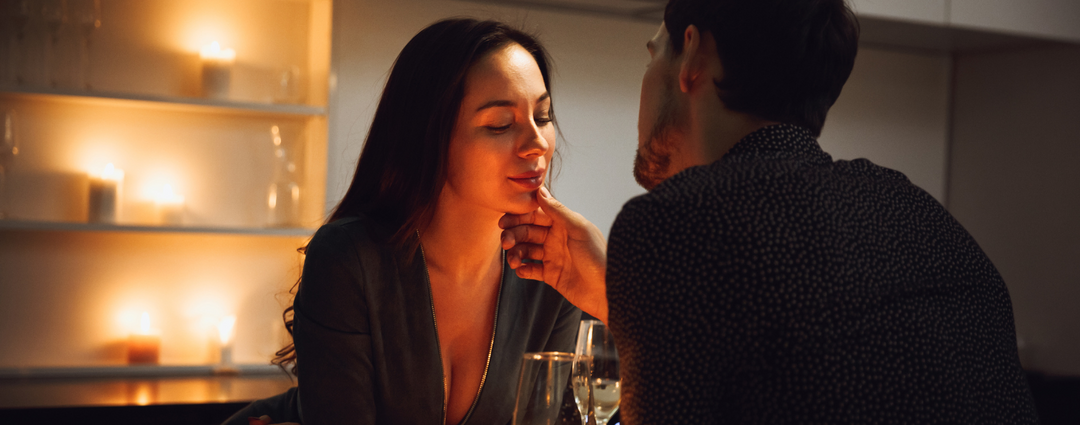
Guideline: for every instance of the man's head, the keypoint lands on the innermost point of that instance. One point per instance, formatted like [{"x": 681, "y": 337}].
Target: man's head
[{"x": 762, "y": 61}]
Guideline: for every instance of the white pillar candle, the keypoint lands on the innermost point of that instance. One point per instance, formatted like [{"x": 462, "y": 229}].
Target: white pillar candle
[
  {"x": 217, "y": 66},
  {"x": 225, "y": 336},
  {"x": 144, "y": 346},
  {"x": 104, "y": 199},
  {"x": 169, "y": 207}
]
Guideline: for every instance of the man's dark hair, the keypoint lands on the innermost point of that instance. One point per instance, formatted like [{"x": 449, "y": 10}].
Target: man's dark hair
[{"x": 784, "y": 60}]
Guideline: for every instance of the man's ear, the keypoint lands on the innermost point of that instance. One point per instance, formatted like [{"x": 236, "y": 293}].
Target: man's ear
[{"x": 692, "y": 65}]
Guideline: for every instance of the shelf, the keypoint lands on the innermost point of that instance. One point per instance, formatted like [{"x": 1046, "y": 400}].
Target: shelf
[
  {"x": 193, "y": 104},
  {"x": 100, "y": 227},
  {"x": 143, "y": 371}
]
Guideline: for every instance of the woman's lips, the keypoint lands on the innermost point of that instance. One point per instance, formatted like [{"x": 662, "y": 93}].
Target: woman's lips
[{"x": 530, "y": 181}]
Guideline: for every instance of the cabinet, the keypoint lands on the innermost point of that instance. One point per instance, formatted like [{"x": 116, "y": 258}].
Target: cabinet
[
  {"x": 71, "y": 287},
  {"x": 145, "y": 114},
  {"x": 923, "y": 11},
  {"x": 1051, "y": 19}
]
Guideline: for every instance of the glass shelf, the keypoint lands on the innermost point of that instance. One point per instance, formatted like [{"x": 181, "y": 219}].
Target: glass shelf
[
  {"x": 101, "y": 227},
  {"x": 140, "y": 371},
  {"x": 193, "y": 104}
]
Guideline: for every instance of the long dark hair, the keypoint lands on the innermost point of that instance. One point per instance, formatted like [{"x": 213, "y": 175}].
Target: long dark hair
[{"x": 402, "y": 166}]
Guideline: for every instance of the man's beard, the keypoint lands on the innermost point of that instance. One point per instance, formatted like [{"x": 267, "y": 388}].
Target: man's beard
[{"x": 652, "y": 164}]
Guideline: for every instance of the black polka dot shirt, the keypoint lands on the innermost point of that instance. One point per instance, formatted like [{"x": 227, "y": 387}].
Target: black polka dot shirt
[{"x": 776, "y": 286}]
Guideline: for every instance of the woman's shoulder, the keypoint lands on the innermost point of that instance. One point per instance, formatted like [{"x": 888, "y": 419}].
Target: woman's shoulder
[{"x": 356, "y": 232}]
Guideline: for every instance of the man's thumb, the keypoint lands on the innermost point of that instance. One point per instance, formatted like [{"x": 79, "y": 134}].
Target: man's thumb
[{"x": 551, "y": 206}]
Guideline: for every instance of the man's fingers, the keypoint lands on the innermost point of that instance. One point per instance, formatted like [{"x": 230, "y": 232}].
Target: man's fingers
[
  {"x": 511, "y": 220},
  {"x": 533, "y": 271},
  {"x": 517, "y": 254},
  {"x": 523, "y": 234}
]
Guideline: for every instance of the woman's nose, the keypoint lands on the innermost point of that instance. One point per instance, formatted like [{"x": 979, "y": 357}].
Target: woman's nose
[{"x": 534, "y": 144}]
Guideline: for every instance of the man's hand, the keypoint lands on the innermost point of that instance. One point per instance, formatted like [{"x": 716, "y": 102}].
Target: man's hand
[
  {"x": 265, "y": 420},
  {"x": 572, "y": 251}
]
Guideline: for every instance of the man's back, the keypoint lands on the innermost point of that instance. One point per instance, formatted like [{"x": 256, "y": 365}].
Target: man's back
[{"x": 778, "y": 286}]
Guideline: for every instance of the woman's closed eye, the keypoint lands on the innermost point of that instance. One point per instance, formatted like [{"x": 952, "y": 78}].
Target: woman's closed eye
[{"x": 498, "y": 129}]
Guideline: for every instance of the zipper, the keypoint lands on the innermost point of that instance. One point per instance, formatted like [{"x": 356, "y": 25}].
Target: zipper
[
  {"x": 491, "y": 346},
  {"x": 438, "y": 345}
]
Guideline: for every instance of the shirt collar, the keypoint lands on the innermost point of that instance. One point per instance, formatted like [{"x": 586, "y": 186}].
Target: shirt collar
[{"x": 781, "y": 141}]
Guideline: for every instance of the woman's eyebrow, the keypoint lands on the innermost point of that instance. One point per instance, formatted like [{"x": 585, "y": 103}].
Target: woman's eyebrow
[
  {"x": 496, "y": 103},
  {"x": 509, "y": 103}
]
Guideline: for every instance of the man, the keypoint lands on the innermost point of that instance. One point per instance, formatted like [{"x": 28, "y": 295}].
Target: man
[{"x": 759, "y": 281}]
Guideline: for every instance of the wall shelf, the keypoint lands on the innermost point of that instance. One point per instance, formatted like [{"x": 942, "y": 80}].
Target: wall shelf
[
  {"x": 171, "y": 103},
  {"x": 6, "y": 225},
  {"x": 140, "y": 371}
]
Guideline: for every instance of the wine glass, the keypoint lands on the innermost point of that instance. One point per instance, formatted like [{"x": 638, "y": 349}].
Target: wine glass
[
  {"x": 9, "y": 148},
  {"x": 543, "y": 381},
  {"x": 579, "y": 381},
  {"x": 596, "y": 347}
]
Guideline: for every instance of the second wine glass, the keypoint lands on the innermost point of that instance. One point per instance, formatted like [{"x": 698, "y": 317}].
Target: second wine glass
[{"x": 599, "y": 360}]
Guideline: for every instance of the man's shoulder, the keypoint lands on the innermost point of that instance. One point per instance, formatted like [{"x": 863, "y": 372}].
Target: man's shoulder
[{"x": 723, "y": 192}]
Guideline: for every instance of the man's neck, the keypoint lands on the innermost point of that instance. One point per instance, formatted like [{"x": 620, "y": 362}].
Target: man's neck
[{"x": 715, "y": 136}]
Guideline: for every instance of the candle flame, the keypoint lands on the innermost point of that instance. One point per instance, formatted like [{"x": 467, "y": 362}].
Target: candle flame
[
  {"x": 166, "y": 195},
  {"x": 110, "y": 172},
  {"x": 225, "y": 329},
  {"x": 144, "y": 323},
  {"x": 214, "y": 51}
]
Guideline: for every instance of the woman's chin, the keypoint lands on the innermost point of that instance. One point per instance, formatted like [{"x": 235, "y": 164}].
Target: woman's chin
[{"x": 524, "y": 206}]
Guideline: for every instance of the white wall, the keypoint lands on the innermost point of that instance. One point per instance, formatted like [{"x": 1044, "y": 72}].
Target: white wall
[
  {"x": 1015, "y": 186},
  {"x": 893, "y": 111},
  {"x": 1052, "y": 19}
]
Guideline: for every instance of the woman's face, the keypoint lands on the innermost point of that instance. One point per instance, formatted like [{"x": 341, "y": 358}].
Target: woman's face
[{"x": 503, "y": 139}]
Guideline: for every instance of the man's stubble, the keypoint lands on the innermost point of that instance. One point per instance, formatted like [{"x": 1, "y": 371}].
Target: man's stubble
[{"x": 652, "y": 164}]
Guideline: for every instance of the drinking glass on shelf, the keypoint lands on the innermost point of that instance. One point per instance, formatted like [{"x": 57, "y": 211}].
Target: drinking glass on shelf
[
  {"x": 543, "y": 381},
  {"x": 55, "y": 14},
  {"x": 88, "y": 19},
  {"x": 283, "y": 198},
  {"x": 9, "y": 149},
  {"x": 18, "y": 16},
  {"x": 596, "y": 346}
]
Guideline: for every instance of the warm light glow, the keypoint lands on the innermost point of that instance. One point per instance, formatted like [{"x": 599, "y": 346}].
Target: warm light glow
[
  {"x": 110, "y": 172},
  {"x": 166, "y": 196},
  {"x": 225, "y": 329},
  {"x": 143, "y": 395},
  {"x": 213, "y": 51},
  {"x": 144, "y": 323}
]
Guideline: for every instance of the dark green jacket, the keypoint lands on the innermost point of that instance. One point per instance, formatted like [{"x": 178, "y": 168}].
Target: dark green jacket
[{"x": 366, "y": 343}]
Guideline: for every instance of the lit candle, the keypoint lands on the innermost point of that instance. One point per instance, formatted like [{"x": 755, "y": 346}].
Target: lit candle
[
  {"x": 105, "y": 195},
  {"x": 169, "y": 206},
  {"x": 225, "y": 335},
  {"x": 144, "y": 347},
  {"x": 216, "y": 70}
]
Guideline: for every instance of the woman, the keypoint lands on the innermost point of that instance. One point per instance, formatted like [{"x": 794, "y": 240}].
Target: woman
[{"x": 407, "y": 311}]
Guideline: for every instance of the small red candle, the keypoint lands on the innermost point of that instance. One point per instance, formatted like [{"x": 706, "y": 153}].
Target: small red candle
[{"x": 144, "y": 347}]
